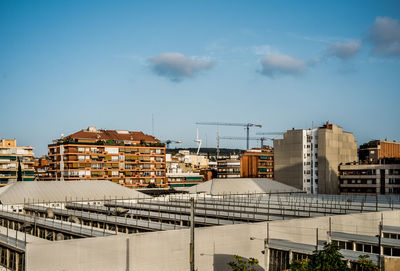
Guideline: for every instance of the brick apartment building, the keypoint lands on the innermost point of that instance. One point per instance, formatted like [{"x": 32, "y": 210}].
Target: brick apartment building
[
  {"x": 132, "y": 159},
  {"x": 257, "y": 163},
  {"x": 41, "y": 166},
  {"x": 375, "y": 150}
]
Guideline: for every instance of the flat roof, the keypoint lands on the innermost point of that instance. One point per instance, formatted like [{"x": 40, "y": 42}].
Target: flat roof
[{"x": 59, "y": 191}]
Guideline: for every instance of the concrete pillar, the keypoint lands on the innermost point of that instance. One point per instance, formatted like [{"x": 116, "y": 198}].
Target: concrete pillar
[
  {"x": 16, "y": 262},
  {"x": 7, "y": 258},
  {"x": 266, "y": 260}
]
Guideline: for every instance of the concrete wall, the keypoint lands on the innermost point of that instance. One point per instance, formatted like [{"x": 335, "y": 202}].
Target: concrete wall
[
  {"x": 391, "y": 263},
  {"x": 169, "y": 250},
  {"x": 334, "y": 147},
  {"x": 288, "y": 159}
]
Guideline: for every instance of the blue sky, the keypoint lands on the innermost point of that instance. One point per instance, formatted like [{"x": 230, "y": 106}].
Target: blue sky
[{"x": 67, "y": 65}]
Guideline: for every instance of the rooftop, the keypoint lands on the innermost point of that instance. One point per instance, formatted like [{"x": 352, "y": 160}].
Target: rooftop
[
  {"x": 117, "y": 135},
  {"x": 242, "y": 186},
  {"x": 57, "y": 191}
]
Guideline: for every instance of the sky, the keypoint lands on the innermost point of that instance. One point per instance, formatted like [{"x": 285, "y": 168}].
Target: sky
[{"x": 162, "y": 66}]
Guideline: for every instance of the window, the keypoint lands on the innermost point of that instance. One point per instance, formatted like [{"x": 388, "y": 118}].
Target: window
[
  {"x": 387, "y": 251},
  {"x": 395, "y": 252}
]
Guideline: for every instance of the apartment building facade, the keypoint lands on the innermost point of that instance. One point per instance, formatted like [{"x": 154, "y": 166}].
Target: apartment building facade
[
  {"x": 228, "y": 168},
  {"x": 308, "y": 159},
  {"x": 257, "y": 163},
  {"x": 370, "y": 179},
  {"x": 41, "y": 167},
  {"x": 132, "y": 159},
  {"x": 10, "y": 156}
]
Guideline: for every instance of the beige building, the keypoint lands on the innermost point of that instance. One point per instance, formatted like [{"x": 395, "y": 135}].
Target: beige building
[
  {"x": 309, "y": 159},
  {"x": 9, "y": 155}
]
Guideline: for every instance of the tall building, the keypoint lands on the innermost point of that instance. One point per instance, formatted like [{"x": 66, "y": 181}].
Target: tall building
[
  {"x": 257, "y": 163},
  {"x": 309, "y": 158},
  {"x": 129, "y": 158},
  {"x": 370, "y": 179},
  {"x": 10, "y": 154},
  {"x": 376, "y": 150}
]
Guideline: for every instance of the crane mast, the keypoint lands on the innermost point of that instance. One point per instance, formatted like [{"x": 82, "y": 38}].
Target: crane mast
[{"x": 246, "y": 125}]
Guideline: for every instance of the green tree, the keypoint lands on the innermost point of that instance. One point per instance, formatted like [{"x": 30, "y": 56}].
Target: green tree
[
  {"x": 241, "y": 264},
  {"x": 364, "y": 264},
  {"x": 330, "y": 259}
]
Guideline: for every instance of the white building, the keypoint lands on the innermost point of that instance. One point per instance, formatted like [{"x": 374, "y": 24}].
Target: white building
[{"x": 310, "y": 160}]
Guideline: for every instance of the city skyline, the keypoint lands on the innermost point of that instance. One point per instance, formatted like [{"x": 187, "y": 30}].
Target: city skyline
[{"x": 65, "y": 66}]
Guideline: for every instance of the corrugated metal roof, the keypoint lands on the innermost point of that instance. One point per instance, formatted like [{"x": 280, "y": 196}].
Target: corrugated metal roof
[
  {"x": 365, "y": 239},
  {"x": 391, "y": 229},
  {"x": 241, "y": 186},
  {"x": 54, "y": 191}
]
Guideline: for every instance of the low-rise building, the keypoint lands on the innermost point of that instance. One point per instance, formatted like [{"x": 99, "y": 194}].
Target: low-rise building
[
  {"x": 257, "y": 163},
  {"x": 184, "y": 179},
  {"x": 10, "y": 157},
  {"x": 364, "y": 179},
  {"x": 186, "y": 169}
]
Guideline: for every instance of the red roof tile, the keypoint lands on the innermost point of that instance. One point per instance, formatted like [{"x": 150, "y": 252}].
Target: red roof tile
[{"x": 114, "y": 135}]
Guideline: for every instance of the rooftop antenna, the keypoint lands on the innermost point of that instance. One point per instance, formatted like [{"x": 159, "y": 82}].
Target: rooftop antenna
[
  {"x": 218, "y": 143},
  {"x": 152, "y": 124}
]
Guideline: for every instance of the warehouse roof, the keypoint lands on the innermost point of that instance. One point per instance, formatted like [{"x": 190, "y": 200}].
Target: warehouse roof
[
  {"x": 242, "y": 186},
  {"x": 54, "y": 191}
]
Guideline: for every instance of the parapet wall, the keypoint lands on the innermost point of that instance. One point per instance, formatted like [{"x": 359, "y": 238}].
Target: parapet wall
[{"x": 214, "y": 246}]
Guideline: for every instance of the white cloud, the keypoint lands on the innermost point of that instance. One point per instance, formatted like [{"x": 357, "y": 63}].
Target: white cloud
[
  {"x": 344, "y": 50},
  {"x": 385, "y": 36},
  {"x": 177, "y": 67},
  {"x": 277, "y": 64}
]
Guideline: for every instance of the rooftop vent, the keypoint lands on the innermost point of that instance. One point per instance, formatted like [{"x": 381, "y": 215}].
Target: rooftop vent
[
  {"x": 123, "y": 132},
  {"x": 92, "y": 129}
]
